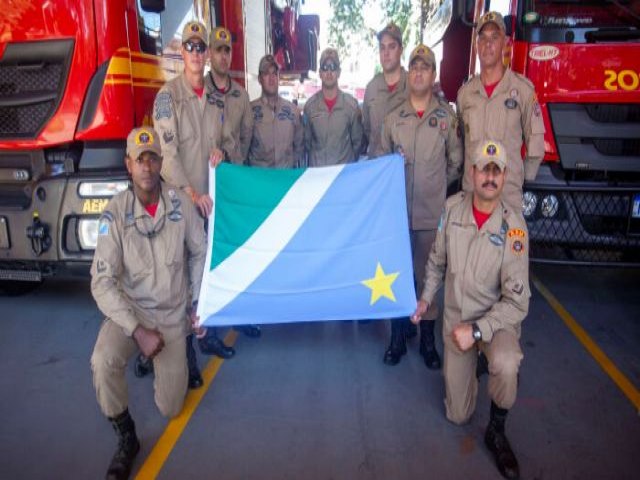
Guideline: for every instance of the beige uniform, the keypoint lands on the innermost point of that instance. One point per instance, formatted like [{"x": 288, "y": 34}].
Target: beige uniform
[
  {"x": 378, "y": 102},
  {"x": 237, "y": 121},
  {"x": 432, "y": 154},
  {"x": 486, "y": 276},
  {"x": 190, "y": 128},
  {"x": 332, "y": 137},
  {"x": 511, "y": 116},
  {"x": 137, "y": 280},
  {"x": 277, "y": 134}
]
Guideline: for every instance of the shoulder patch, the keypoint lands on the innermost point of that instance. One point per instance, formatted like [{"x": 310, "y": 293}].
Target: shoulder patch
[
  {"x": 168, "y": 136},
  {"x": 236, "y": 93},
  {"x": 107, "y": 216},
  {"x": 517, "y": 247},
  {"x": 162, "y": 105},
  {"x": 516, "y": 233},
  {"x": 103, "y": 227}
]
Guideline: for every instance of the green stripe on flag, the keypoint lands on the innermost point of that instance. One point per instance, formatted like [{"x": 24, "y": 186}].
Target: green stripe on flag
[{"x": 245, "y": 197}]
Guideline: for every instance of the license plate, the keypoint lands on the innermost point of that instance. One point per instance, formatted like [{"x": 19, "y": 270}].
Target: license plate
[{"x": 635, "y": 211}]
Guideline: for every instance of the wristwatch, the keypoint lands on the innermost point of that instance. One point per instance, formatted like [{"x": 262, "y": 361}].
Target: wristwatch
[{"x": 477, "y": 334}]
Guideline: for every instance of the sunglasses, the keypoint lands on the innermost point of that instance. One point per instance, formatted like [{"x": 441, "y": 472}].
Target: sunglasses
[
  {"x": 329, "y": 67},
  {"x": 198, "y": 47}
]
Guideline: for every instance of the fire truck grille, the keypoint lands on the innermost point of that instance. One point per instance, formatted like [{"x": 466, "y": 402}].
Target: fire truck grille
[
  {"x": 25, "y": 120},
  {"x": 617, "y": 146},
  {"x": 32, "y": 80},
  {"x": 589, "y": 226},
  {"x": 613, "y": 113}
]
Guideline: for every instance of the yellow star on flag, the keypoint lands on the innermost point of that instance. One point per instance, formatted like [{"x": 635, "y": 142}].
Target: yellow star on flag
[{"x": 380, "y": 285}]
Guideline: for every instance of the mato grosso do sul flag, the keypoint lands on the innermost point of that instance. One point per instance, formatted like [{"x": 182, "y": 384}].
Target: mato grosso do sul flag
[{"x": 329, "y": 243}]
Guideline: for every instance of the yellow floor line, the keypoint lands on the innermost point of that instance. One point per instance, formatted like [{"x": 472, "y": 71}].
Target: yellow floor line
[
  {"x": 163, "y": 447},
  {"x": 605, "y": 362}
]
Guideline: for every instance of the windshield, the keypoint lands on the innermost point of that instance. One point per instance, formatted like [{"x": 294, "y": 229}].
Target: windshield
[{"x": 581, "y": 21}]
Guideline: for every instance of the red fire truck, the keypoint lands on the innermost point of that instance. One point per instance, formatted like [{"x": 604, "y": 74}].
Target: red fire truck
[
  {"x": 584, "y": 60},
  {"x": 75, "y": 77}
]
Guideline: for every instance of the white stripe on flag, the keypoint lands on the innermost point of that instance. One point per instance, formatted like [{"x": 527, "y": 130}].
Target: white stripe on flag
[{"x": 232, "y": 277}]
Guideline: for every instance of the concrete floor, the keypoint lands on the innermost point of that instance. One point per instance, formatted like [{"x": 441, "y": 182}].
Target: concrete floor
[{"x": 315, "y": 401}]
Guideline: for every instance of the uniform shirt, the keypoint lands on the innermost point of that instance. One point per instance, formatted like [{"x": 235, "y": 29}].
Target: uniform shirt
[
  {"x": 511, "y": 115},
  {"x": 378, "y": 102},
  {"x": 237, "y": 121},
  {"x": 432, "y": 154},
  {"x": 189, "y": 128},
  {"x": 487, "y": 269},
  {"x": 332, "y": 137},
  {"x": 136, "y": 280},
  {"x": 278, "y": 136}
]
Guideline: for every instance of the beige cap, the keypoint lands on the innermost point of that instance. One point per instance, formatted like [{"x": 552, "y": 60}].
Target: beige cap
[
  {"x": 195, "y": 29},
  {"x": 143, "y": 139},
  {"x": 491, "y": 17},
  {"x": 425, "y": 53},
  {"x": 220, "y": 37},
  {"x": 490, "y": 151},
  {"x": 393, "y": 31},
  {"x": 330, "y": 54},
  {"x": 266, "y": 62}
]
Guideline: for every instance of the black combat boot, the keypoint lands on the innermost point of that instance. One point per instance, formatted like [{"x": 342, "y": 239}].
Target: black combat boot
[
  {"x": 497, "y": 443},
  {"x": 252, "y": 331},
  {"x": 428, "y": 345},
  {"x": 128, "y": 447},
  {"x": 143, "y": 366},
  {"x": 210, "y": 344},
  {"x": 398, "y": 346},
  {"x": 195, "y": 379}
]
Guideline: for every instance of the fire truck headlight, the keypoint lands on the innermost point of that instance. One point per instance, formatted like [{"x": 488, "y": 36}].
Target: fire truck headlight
[
  {"x": 88, "y": 233},
  {"x": 529, "y": 203},
  {"x": 102, "y": 189},
  {"x": 549, "y": 206}
]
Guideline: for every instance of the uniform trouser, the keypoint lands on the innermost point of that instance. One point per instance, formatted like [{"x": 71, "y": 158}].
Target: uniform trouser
[
  {"x": 111, "y": 354},
  {"x": 503, "y": 354},
  {"x": 421, "y": 243}
]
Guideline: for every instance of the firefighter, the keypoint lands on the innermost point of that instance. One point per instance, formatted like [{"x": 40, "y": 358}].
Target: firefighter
[
  {"x": 387, "y": 90},
  {"x": 237, "y": 128},
  {"x": 423, "y": 130},
  {"x": 333, "y": 131},
  {"x": 231, "y": 97},
  {"x": 190, "y": 129},
  {"x": 150, "y": 255},
  {"x": 502, "y": 105},
  {"x": 481, "y": 251},
  {"x": 277, "y": 139}
]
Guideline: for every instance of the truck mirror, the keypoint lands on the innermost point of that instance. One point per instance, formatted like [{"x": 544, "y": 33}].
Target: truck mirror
[
  {"x": 154, "y": 6},
  {"x": 508, "y": 23}
]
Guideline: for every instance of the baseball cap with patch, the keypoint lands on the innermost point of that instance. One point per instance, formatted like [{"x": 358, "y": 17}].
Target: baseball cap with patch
[
  {"x": 195, "y": 30},
  {"x": 220, "y": 37},
  {"x": 266, "y": 62},
  {"x": 393, "y": 31},
  {"x": 425, "y": 53},
  {"x": 143, "y": 139},
  {"x": 330, "y": 54},
  {"x": 490, "y": 151},
  {"x": 492, "y": 17}
]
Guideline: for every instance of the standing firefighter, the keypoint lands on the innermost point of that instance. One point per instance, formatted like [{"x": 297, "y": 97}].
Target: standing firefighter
[
  {"x": 387, "y": 90},
  {"x": 332, "y": 119},
  {"x": 502, "y": 105},
  {"x": 277, "y": 129},
  {"x": 424, "y": 131},
  {"x": 149, "y": 257},
  {"x": 481, "y": 251},
  {"x": 189, "y": 122},
  {"x": 231, "y": 97}
]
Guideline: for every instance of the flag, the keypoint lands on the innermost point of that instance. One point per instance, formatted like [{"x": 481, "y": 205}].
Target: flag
[{"x": 295, "y": 245}]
